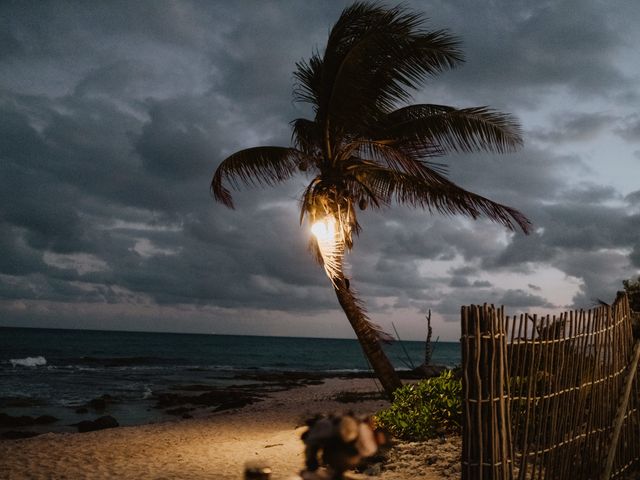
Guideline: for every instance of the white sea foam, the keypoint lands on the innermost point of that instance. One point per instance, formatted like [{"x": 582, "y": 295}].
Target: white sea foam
[{"x": 28, "y": 362}]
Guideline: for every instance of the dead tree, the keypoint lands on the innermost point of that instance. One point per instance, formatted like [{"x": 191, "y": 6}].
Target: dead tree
[{"x": 428, "y": 348}]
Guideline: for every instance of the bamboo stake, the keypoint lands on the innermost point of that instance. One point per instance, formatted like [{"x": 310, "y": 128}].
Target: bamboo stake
[
  {"x": 593, "y": 418},
  {"x": 562, "y": 424},
  {"x": 606, "y": 475},
  {"x": 545, "y": 403},
  {"x": 466, "y": 426},
  {"x": 506, "y": 396},
  {"x": 588, "y": 367},
  {"x": 576, "y": 368},
  {"x": 559, "y": 420},
  {"x": 556, "y": 387},
  {"x": 481, "y": 429},
  {"x": 489, "y": 317},
  {"x": 530, "y": 394},
  {"x": 516, "y": 360}
]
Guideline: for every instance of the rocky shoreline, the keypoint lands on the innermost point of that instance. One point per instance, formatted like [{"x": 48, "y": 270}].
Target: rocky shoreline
[{"x": 185, "y": 401}]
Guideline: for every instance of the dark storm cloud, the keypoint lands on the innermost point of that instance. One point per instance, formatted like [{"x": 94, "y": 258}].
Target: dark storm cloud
[
  {"x": 629, "y": 129},
  {"x": 585, "y": 241},
  {"x": 113, "y": 116},
  {"x": 590, "y": 194},
  {"x": 516, "y": 51},
  {"x": 500, "y": 177},
  {"x": 597, "y": 270},
  {"x": 521, "y": 299},
  {"x": 17, "y": 257},
  {"x": 9, "y": 44},
  {"x": 575, "y": 226},
  {"x": 521, "y": 252},
  {"x": 402, "y": 233},
  {"x": 460, "y": 281},
  {"x": 572, "y": 127},
  {"x": 635, "y": 256},
  {"x": 173, "y": 144},
  {"x": 514, "y": 298},
  {"x": 633, "y": 198}
]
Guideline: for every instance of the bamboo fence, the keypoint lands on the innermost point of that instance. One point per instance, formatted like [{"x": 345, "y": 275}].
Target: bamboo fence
[{"x": 550, "y": 397}]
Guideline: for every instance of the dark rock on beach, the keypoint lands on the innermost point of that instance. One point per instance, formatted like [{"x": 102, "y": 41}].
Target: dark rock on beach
[
  {"x": 354, "y": 397},
  {"x": 84, "y": 426},
  {"x": 25, "y": 420},
  {"x": 236, "y": 403},
  {"x": 18, "y": 434},
  {"x": 98, "y": 404},
  {"x": 289, "y": 379},
  {"x": 219, "y": 398},
  {"x": 105, "y": 422},
  {"x": 101, "y": 402},
  {"x": 20, "y": 402},
  {"x": 428, "y": 371},
  {"x": 10, "y": 421},
  {"x": 179, "y": 411},
  {"x": 98, "y": 424},
  {"x": 195, "y": 387},
  {"x": 45, "y": 420}
]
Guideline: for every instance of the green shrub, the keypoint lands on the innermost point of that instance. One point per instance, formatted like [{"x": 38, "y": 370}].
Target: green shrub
[{"x": 425, "y": 409}]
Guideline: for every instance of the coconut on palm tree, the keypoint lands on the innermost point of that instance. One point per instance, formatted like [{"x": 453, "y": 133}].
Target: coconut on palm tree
[{"x": 365, "y": 146}]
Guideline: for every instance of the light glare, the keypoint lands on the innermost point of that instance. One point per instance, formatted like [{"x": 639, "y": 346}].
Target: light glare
[{"x": 324, "y": 230}]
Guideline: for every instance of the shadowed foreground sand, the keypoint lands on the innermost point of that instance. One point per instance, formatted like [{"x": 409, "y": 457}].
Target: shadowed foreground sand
[{"x": 216, "y": 447}]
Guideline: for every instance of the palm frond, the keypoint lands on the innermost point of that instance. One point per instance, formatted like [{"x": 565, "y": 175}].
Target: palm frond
[
  {"x": 391, "y": 155},
  {"x": 362, "y": 25},
  {"x": 380, "y": 69},
  {"x": 373, "y": 57},
  {"x": 308, "y": 200},
  {"x": 308, "y": 75},
  {"x": 254, "y": 166},
  {"x": 442, "y": 196},
  {"x": 361, "y": 192},
  {"x": 358, "y": 173},
  {"x": 458, "y": 130},
  {"x": 307, "y": 136}
]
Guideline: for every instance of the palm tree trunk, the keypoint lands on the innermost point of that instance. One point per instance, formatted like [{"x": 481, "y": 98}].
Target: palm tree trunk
[{"x": 368, "y": 338}]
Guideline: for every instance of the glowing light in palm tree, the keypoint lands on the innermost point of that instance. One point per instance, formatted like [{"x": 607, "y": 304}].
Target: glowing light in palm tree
[
  {"x": 331, "y": 245},
  {"x": 325, "y": 230}
]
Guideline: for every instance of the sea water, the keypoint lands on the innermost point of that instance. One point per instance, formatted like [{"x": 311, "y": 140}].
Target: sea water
[{"x": 54, "y": 371}]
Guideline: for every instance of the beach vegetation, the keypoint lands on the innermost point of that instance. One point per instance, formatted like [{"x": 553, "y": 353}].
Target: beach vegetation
[
  {"x": 426, "y": 409},
  {"x": 365, "y": 146}
]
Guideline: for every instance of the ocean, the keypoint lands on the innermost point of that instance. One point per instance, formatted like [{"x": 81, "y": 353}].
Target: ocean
[{"x": 54, "y": 371}]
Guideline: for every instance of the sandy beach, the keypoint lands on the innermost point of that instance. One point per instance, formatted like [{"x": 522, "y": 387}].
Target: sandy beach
[{"x": 218, "y": 445}]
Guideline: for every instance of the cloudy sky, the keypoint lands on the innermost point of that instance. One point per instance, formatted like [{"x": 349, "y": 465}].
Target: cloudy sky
[{"x": 114, "y": 115}]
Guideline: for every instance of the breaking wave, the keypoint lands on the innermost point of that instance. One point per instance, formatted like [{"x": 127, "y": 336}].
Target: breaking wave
[{"x": 28, "y": 361}]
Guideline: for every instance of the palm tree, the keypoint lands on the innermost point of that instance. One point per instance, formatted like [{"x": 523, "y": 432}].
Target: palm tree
[{"x": 364, "y": 148}]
